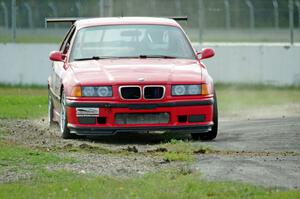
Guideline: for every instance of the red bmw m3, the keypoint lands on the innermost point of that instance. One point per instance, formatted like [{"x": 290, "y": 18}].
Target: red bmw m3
[{"x": 124, "y": 74}]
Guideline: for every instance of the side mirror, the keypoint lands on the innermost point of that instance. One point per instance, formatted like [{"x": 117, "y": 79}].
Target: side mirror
[
  {"x": 56, "y": 56},
  {"x": 206, "y": 53}
]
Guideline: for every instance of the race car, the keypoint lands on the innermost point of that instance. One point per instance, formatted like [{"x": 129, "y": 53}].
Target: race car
[{"x": 127, "y": 74}]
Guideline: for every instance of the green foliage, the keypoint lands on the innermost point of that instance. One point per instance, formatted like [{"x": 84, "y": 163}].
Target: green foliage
[
  {"x": 178, "y": 156},
  {"x": 14, "y": 155},
  {"x": 22, "y": 102},
  {"x": 164, "y": 184},
  {"x": 175, "y": 183},
  {"x": 17, "y": 159},
  {"x": 179, "y": 150},
  {"x": 240, "y": 99}
]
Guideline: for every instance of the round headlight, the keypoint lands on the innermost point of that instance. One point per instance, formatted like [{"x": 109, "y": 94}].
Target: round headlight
[
  {"x": 194, "y": 90},
  {"x": 103, "y": 91},
  {"x": 179, "y": 90},
  {"x": 88, "y": 91}
]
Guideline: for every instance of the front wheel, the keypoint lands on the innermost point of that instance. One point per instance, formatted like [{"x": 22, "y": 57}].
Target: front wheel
[
  {"x": 214, "y": 130},
  {"x": 64, "y": 130}
]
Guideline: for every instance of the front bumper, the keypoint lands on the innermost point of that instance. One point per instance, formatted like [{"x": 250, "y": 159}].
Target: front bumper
[
  {"x": 184, "y": 116},
  {"x": 112, "y": 130}
]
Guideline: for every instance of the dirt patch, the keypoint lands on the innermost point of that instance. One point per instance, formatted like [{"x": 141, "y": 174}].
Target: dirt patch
[
  {"x": 119, "y": 156},
  {"x": 8, "y": 175},
  {"x": 259, "y": 151},
  {"x": 117, "y": 165}
]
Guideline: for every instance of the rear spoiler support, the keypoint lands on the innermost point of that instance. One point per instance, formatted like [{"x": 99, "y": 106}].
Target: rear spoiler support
[
  {"x": 179, "y": 18},
  {"x": 74, "y": 19},
  {"x": 60, "y": 20}
]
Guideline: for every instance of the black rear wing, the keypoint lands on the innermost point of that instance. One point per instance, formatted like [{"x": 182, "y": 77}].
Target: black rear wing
[
  {"x": 74, "y": 19},
  {"x": 61, "y": 20},
  {"x": 179, "y": 18}
]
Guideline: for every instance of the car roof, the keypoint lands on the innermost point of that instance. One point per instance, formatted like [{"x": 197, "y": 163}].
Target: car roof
[{"x": 82, "y": 23}]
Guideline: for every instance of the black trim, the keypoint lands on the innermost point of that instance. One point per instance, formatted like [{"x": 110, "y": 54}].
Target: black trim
[
  {"x": 196, "y": 118},
  {"x": 140, "y": 105},
  {"x": 114, "y": 130},
  {"x": 87, "y": 120},
  {"x": 74, "y": 19}
]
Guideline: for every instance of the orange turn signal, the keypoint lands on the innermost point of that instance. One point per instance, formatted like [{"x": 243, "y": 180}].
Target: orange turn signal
[
  {"x": 76, "y": 91},
  {"x": 204, "y": 90}
]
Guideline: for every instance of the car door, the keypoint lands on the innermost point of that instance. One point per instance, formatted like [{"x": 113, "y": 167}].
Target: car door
[{"x": 58, "y": 67}]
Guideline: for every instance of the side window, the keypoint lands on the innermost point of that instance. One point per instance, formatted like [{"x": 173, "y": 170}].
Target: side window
[{"x": 66, "y": 43}]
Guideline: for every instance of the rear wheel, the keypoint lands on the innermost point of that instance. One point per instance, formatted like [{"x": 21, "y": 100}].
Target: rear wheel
[
  {"x": 64, "y": 130},
  {"x": 214, "y": 130}
]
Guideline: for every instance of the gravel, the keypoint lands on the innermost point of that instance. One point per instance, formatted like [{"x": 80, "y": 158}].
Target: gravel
[
  {"x": 118, "y": 156},
  {"x": 266, "y": 152},
  {"x": 257, "y": 151}
]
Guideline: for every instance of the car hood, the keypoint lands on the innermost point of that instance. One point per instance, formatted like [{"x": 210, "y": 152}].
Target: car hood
[{"x": 137, "y": 71}]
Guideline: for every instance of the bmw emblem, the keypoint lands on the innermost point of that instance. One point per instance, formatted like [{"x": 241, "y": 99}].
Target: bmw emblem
[{"x": 141, "y": 79}]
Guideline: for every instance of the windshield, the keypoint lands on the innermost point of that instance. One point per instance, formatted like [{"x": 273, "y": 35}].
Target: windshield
[{"x": 126, "y": 41}]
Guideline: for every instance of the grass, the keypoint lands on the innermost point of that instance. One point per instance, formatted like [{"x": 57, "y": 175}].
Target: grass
[
  {"x": 22, "y": 102},
  {"x": 11, "y": 154},
  {"x": 84, "y": 148},
  {"x": 164, "y": 184},
  {"x": 179, "y": 150},
  {"x": 240, "y": 99},
  {"x": 170, "y": 183},
  {"x": 19, "y": 159},
  {"x": 175, "y": 150}
]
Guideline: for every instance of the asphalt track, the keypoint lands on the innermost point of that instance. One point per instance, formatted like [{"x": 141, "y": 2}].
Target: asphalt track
[{"x": 262, "y": 152}]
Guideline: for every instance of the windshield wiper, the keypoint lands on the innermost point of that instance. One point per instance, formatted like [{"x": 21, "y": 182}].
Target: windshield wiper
[
  {"x": 106, "y": 57},
  {"x": 157, "y": 56},
  {"x": 140, "y": 56},
  {"x": 89, "y": 58},
  {"x": 127, "y": 57}
]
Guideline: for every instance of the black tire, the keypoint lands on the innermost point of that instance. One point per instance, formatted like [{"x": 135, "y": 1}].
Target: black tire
[
  {"x": 214, "y": 130},
  {"x": 64, "y": 130},
  {"x": 50, "y": 111}
]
